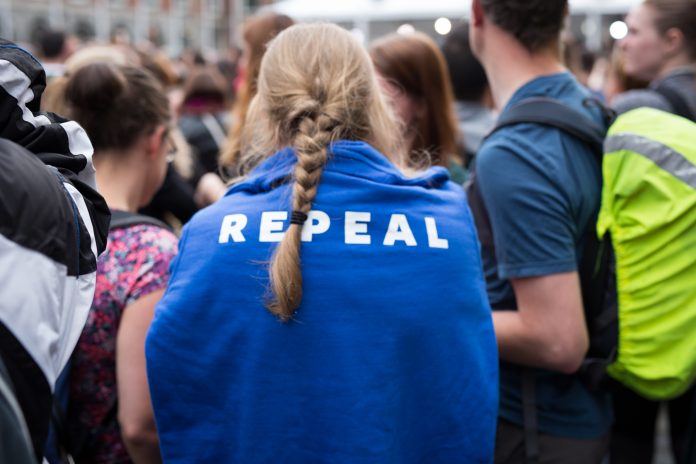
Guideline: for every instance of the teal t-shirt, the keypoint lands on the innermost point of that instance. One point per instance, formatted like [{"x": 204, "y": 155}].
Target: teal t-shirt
[{"x": 541, "y": 187}]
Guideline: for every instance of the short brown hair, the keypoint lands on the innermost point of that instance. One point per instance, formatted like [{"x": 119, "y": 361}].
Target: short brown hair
[{"x": 534, "y": 23}]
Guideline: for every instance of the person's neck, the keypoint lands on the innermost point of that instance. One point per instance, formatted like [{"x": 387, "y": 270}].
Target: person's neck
[
  {"x": 509, "y": 66},
  {"x": 119, "y": 180}
]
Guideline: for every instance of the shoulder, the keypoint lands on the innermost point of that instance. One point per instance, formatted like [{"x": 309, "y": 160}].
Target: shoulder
[
  {"x": 144, "y": 239},
  {"x": 539, "y": 163},
  {"x": 141, "y": 254},
  {"x": 505, "y": 169},
  {"x": 543, "y": 146},
  {"x": 640, "y": 98},
  {"x": 522, "y": 146}
]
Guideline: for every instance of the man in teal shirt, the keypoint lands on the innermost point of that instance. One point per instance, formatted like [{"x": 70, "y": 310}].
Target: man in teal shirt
[{"x": 541, "y": 190}]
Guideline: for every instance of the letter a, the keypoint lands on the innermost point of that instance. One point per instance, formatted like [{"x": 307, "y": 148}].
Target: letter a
[{"x": 399, "y": 230}]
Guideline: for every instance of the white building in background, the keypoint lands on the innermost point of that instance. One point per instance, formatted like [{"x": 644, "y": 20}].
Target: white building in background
[
  {"x": 590, "y": 19},
  {"x": 203, "y": 24},
  {"x": 215, "y": 24}
]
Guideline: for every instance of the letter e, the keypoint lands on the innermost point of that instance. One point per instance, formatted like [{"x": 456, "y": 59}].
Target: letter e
[
  {"x": 356, "y": 228},
  {"x": 271, "y": 229}
]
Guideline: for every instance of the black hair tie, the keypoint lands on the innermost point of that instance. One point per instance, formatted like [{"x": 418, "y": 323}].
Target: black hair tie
[{"x": 298, "y": 217}]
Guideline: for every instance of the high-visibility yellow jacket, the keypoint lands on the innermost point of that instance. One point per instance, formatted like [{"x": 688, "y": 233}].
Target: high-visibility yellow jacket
[{"x": 649, "y": 207}]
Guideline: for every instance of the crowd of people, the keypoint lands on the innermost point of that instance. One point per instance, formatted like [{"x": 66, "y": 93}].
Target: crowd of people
[{"x": 324, "y": 252}]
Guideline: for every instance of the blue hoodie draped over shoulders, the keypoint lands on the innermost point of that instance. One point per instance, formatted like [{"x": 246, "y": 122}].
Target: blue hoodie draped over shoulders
[{"x": 391, "y": 356}]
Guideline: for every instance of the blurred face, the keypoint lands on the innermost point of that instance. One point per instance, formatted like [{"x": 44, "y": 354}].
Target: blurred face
[
  {"x": 644, "y": 49},
  {"x": 70, "y": 47},
  {"x": 404, "y": 105}
]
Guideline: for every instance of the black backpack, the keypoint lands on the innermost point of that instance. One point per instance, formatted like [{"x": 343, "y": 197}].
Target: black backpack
[
  {"x": 596, "y": 269},
  {"x": 66, "y": 442}
]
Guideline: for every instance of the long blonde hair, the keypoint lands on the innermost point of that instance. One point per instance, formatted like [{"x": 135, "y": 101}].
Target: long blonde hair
[{"x": 307, "y": 100}]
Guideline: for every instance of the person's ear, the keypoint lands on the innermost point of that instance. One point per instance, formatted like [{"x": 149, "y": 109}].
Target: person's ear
[
  {"x": 476, "y": 13},
  {"x": 674, "y": 41},
  {"x": 156, "y": 140}
]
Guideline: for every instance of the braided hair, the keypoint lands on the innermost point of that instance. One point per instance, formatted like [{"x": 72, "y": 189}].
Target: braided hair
[{"x": 308, "y": 100}]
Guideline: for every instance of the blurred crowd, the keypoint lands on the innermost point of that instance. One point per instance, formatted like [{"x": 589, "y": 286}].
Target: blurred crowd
[{"x": 291, "y": 271}]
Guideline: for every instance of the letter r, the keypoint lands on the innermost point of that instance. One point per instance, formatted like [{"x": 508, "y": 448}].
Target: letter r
[{"x": 232, "y": 226}]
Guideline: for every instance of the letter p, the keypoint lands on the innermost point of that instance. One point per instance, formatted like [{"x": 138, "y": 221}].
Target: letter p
[{"x": 318, "y": 222}]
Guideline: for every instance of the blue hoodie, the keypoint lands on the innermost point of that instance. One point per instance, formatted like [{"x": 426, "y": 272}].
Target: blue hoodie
[{"x": 391, "y": 357}]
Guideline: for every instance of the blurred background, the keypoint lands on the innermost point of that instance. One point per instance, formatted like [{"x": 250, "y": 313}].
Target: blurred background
[{"x": 213, "y": 26}]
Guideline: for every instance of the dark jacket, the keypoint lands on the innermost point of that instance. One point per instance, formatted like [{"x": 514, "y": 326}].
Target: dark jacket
[{"x": 53, "y": 225}]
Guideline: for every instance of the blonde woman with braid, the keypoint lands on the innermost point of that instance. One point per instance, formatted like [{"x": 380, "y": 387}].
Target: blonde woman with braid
[{"x": 307, "y": 319}]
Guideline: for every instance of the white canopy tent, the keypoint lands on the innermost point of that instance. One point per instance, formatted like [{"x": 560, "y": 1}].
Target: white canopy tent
[
  {"x": 371, "y": 18},
  {"x": 375, "y": 10}
]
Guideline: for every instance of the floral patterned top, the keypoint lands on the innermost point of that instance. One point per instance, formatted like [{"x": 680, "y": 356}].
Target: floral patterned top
[{"x": 135, "y": 263}]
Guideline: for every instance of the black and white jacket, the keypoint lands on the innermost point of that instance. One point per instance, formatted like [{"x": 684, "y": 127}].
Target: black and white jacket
[{"x": 53, "y": 225}]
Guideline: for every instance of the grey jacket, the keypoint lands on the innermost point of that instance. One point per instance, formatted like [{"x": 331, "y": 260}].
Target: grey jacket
[{"x": 682, "y": 81}]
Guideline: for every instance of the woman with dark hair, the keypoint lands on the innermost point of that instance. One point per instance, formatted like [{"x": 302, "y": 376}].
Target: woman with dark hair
[
  {"x": 127, "y": 117},
  {"x": 415, "y": 77}
]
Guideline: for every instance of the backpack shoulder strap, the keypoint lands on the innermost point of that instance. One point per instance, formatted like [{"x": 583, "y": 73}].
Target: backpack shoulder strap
[
  {"x": 553, "y": 113},
  {"x": 549, "y": 112},
  {"x": 677, "y": 101},
  {"x": 595, "y": 269},
  {"x": 123, "y": 219}
]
